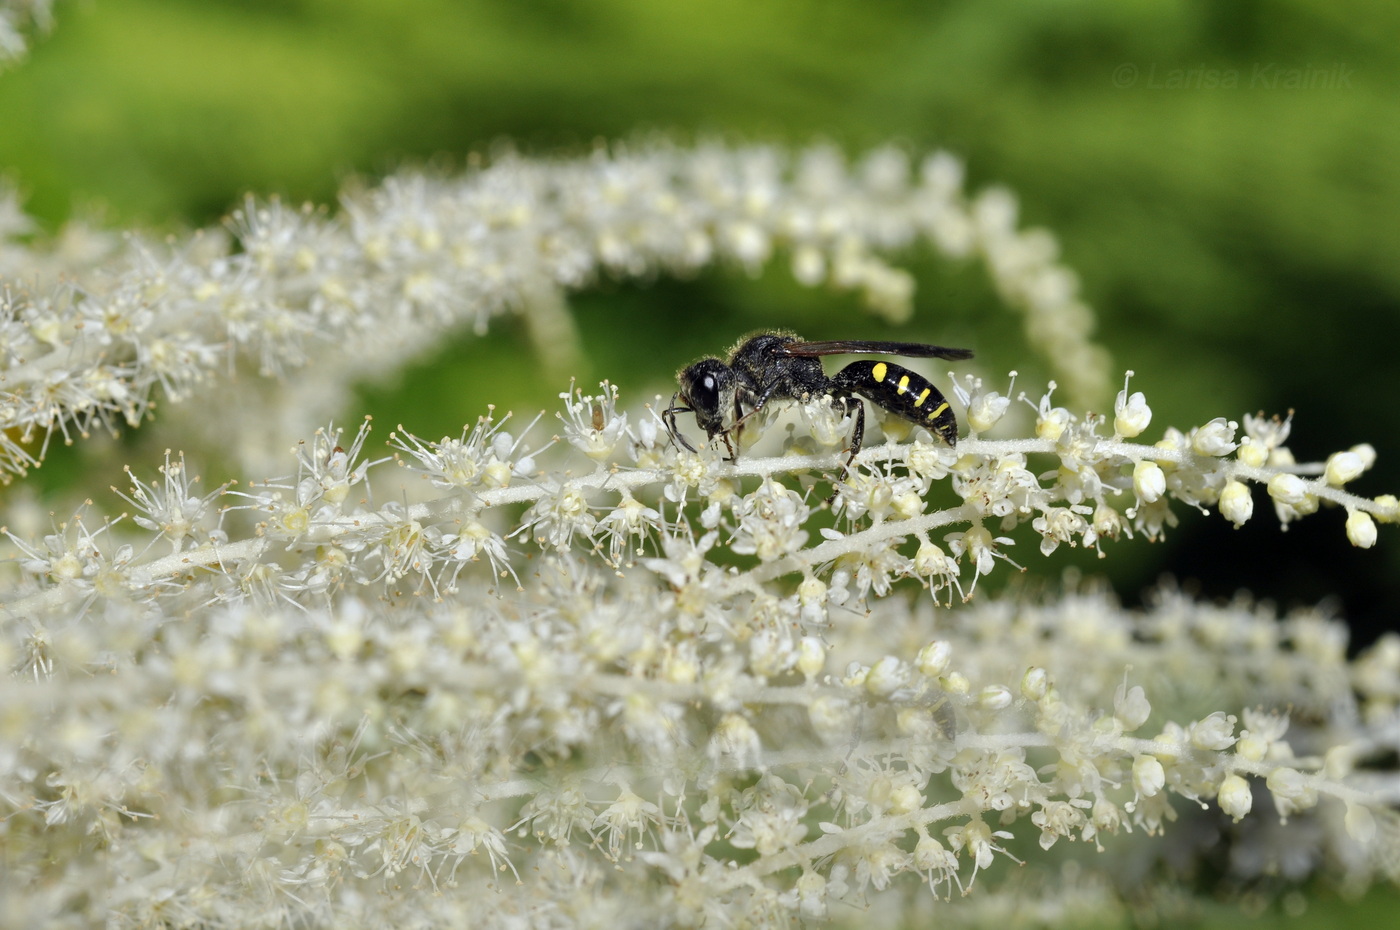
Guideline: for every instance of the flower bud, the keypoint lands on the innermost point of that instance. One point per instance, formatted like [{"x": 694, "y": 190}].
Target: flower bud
[
  {"x": 1131, "y": 414},
  {"x": 904, "y": 799},
  {"x": 885, "y": 677},
  {"x": 1287, "y": 489},
  {"x": 830, "y": 717},
  {"x": 1253, "y": 453},
  {"x": 1287, "y": 783},
  {"x": 1148, "y": 776},
  {"x": 1343, "y": 467},
  {"x": 1236, "y": 502},
  {"x": 1131, "y": 707},
  {"x": 930, "y": 559},
  {"x": 1360, "y": 824},
  {"x": 933, "y": 659},
  {"x": 956, "y": 683},
  {"x": 1389, "y": 509},
  {"x": 1252, "y": 747},
  {"x": 1361, "y": 529},
  {"x": 994, "y": 697},
  {"x": 1235, "y": 797},
  {"x": 811, "y": 656},
  {"x": 1149, "y": 481},
  {"x": 1052, "y": 424},
  {"x": 1035, "y": 683}
]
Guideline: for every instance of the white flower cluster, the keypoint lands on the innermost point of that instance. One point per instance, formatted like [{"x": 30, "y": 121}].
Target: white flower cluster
[
  {"x": 365, "y": 290},
  {"x": 600, "y": 680}
]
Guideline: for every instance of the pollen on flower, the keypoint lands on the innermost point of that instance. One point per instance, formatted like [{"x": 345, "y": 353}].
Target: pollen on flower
[{"x": 592, "y": 423}]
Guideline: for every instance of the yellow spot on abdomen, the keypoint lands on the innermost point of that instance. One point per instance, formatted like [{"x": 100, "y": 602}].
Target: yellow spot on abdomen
[
  {"x": 903, "y": 385},
  {"x": 922, "y": 397},
  {"x": 937, "y": 410},
  {"x": 879, "y": 371}
]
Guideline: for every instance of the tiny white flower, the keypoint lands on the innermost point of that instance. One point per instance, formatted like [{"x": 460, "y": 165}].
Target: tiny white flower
[
  {"x": 1216, "y": 438},
  {"x": 1215, "y": 732}
]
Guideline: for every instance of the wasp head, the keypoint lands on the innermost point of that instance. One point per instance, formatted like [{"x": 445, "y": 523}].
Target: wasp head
[{"x": 709, "y": 387}]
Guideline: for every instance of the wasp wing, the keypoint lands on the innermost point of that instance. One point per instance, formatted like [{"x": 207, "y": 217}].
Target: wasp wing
[{"x": 863, "y": 347}]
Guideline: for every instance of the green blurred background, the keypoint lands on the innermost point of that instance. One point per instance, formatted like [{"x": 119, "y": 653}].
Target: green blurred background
[{"x": 1237, "y": 233}]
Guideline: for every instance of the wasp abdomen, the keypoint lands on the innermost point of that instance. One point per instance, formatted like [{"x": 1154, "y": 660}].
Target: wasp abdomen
[{"x": 903, "y": 392}]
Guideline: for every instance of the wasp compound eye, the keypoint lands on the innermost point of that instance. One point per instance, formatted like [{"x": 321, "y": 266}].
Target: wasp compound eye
[{"x": 708, "y": 386}]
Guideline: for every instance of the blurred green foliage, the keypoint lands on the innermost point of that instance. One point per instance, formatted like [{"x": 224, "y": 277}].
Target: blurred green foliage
[{"x": 1224, "y": 176}]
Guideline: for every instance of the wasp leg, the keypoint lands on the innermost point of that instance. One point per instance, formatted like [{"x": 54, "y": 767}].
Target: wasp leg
[
  {"x": 756, "y": 403},
  {"x": 668, "y": 416},
  {"x": 732, "y": 456},
  {"x": 857, "y": 434},
  {"x": 857, "y": 437}
]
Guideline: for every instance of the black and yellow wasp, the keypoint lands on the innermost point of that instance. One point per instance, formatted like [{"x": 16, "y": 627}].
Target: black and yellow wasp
[{"x": 775, "y": 366}]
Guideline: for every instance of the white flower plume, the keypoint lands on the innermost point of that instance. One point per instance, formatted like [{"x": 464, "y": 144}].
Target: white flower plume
[
  {"x": 670, "y": 684},
  {"x": 562, "y": 671},
  {"x": 363, "y": 291}
]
